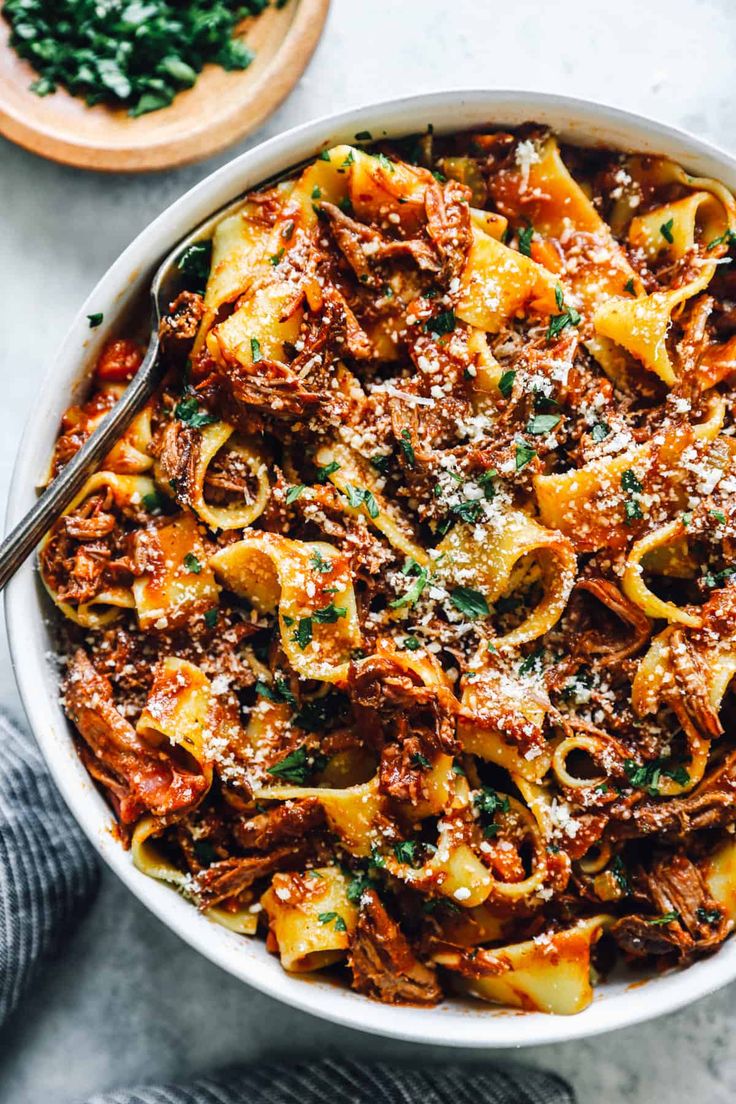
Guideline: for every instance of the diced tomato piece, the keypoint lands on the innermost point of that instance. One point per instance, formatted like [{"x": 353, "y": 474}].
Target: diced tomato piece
[{"x": 119, "y": 361}]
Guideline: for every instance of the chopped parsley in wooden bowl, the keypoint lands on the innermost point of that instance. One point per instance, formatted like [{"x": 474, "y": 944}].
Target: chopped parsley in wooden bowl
[
  {"x": 132, "y": 53},
  {"x": 130, "y": 85}
]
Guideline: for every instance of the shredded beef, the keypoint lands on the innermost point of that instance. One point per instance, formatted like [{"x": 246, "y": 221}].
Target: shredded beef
[{"x": 384, "y": 965}]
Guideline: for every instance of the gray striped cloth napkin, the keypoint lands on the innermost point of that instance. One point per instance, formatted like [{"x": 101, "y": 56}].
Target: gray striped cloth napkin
[{"x": 48, "y": 874}]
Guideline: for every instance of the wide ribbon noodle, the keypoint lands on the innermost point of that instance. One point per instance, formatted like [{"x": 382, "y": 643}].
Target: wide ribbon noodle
[{"x": 399, "y": 626}]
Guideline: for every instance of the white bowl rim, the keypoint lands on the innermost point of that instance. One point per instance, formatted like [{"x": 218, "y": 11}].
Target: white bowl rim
[{"x": 452, "y": 1024}]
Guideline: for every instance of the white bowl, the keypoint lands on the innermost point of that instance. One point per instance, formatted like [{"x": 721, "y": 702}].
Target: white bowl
[{"x": 616, "y": 1003}]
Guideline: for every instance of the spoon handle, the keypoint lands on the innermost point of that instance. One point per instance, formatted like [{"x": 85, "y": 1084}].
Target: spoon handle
[{"x": 19, "y": 543}]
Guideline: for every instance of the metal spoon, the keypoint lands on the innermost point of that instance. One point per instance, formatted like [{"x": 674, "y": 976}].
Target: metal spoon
[{"x": 167, "y": 282}]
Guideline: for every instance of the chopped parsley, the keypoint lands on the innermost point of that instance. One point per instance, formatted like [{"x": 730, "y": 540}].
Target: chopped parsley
[
  {"x": 327, "y": 711},
  {"x": 599, "y": 432},
  {"x": 420, "y": 762},
  {"x": 319, "y": 563},
  {"x": 488, "y": 803},
  {"x": 188, "y": 411},
  {"x": 381, "y": 462},
  {"x": 532, "y": 664},
  {"x": 506, "y": 382},
  {"x": 405, "y": 851},
  {"x": 153, "y": 502},
  {"x": 411, "y": 644},
  {"x": 329, "y": 614},
  {"x": 524, "y": 453},
  {"x": 358, "y": 496},
  {"x": 194, "y": 264},
  {"x": 278, "y": 691},
  {"x": 727, "y": 238},
  {"x": 541, "y": 424},
  {"x": 718, "y": 515},
  {"x": 414, "y": 593},
  {"x": 294, "y": 492},
  {"x": 297, "y": 766},
  {"x": 618, "y": 870},
  {"x": 666, "y": 230},
  {"x": 95, "y": 320},
  {"x": 407, "y": 448},
  {"x": 646, "y": 776},
  {"x": 210, "y": 617},
  {"x": 709, "y": 916},
  {"x": 275, "y": 258},
  {"x": 632, "y": 485},
  {"x": 713, "y": 579},
  {"x": 525, "y": 240},
  {"x": 192, "y": 564},
  {"x": 137, "y": 55},
  {"x": 442, "y": 323},
  {"x": 330, "y": 917},
  {"x": 629, "y": 286},
  {"x": 303, "y": 632},
  {"x": 469, "y": 602},
  {"x": 255, "y": 350},
  {"x": 567, "y": 316},
  {"x": 324, "y": 473},
  {"x": 665, "y": 918},
  {"x": 384, "y": 162}
]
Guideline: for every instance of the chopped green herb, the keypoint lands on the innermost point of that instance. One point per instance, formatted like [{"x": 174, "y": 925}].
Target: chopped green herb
[
  {"x": 319, "y": 563},
  {"x": 506, "y": 382},
  {"x": 194, "y": 264},
  {"x": 420, "y": 761},
  {"x": 414, "y": 592},
  {"x": 646, "y": 776},
  {"x": 296, "y": 767},
  {"x": 358, "y": 497},
  {"x": 316, "y": 192},
  {"x": 381, "y": 463},
  {"x": 469, "y": 602},
  {"x": 384, "y": 162},
  {"x": 324, "y": 155},
  {"x": 709, "y": 916},
  {"x": 188, "y": 411},
  {"x": 488, "y": 803},
  {"x": 330, "y": 710},
  {"x": 559, "y": 322},
  {"x": 255, "y": 350},
  {"x": 278, "y": 691},
  {"x": 95, "y": 320},
  {"x": 727, "y": 238},
  {"x": 136, "y": 55},
  {"x": 524, "y": 453},
  {"x": 407, "y": 448},
  {"x": 599, "y": 432},
  {"x": 294, "y": 492},
  {"x": 329, "y": 614},
  {"x": 442, "y": 323},
  {"x": 192, "y": 564},
  {"x": 303, "y": 632},
  {"x": 541, "y": 424},
  {"x": 275, "y": 259},
  {"x": 329, "y": 917},
  {"x": 666, "y": 230},
  {"x": 718, "y": 515},
  {"x": 714, "y": 579},
  {"x": 629, "y": 286},
  {"x": 405, "y": 851},
  {"x": 210, "y": 617},
  {"x": 411, "y": 643},
  {"x": 324, "y": 473},
  {"x": 153, "y": 502},
  {"x": 525, "y": 240},
  {"x": 619, "y": 872},
  {"x": 532, "y": 665},
  {"x": 666, "y": 917}
]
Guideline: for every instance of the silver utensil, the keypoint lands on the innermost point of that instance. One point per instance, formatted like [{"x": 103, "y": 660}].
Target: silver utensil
[{"x": 167, "y": 282}]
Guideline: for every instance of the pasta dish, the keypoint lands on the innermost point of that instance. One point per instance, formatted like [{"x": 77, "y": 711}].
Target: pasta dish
[{"x": 399, "y": 626}]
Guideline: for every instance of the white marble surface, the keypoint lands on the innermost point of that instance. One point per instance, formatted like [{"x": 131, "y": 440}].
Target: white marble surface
[{"x": 128, "y": 1001}]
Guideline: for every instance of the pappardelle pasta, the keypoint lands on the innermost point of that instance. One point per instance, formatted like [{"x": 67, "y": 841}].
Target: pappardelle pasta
[{"x": 401, "y": 625}]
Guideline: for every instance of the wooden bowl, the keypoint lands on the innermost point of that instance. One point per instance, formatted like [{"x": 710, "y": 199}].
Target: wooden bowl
[{"x": 221, "y": 107}]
